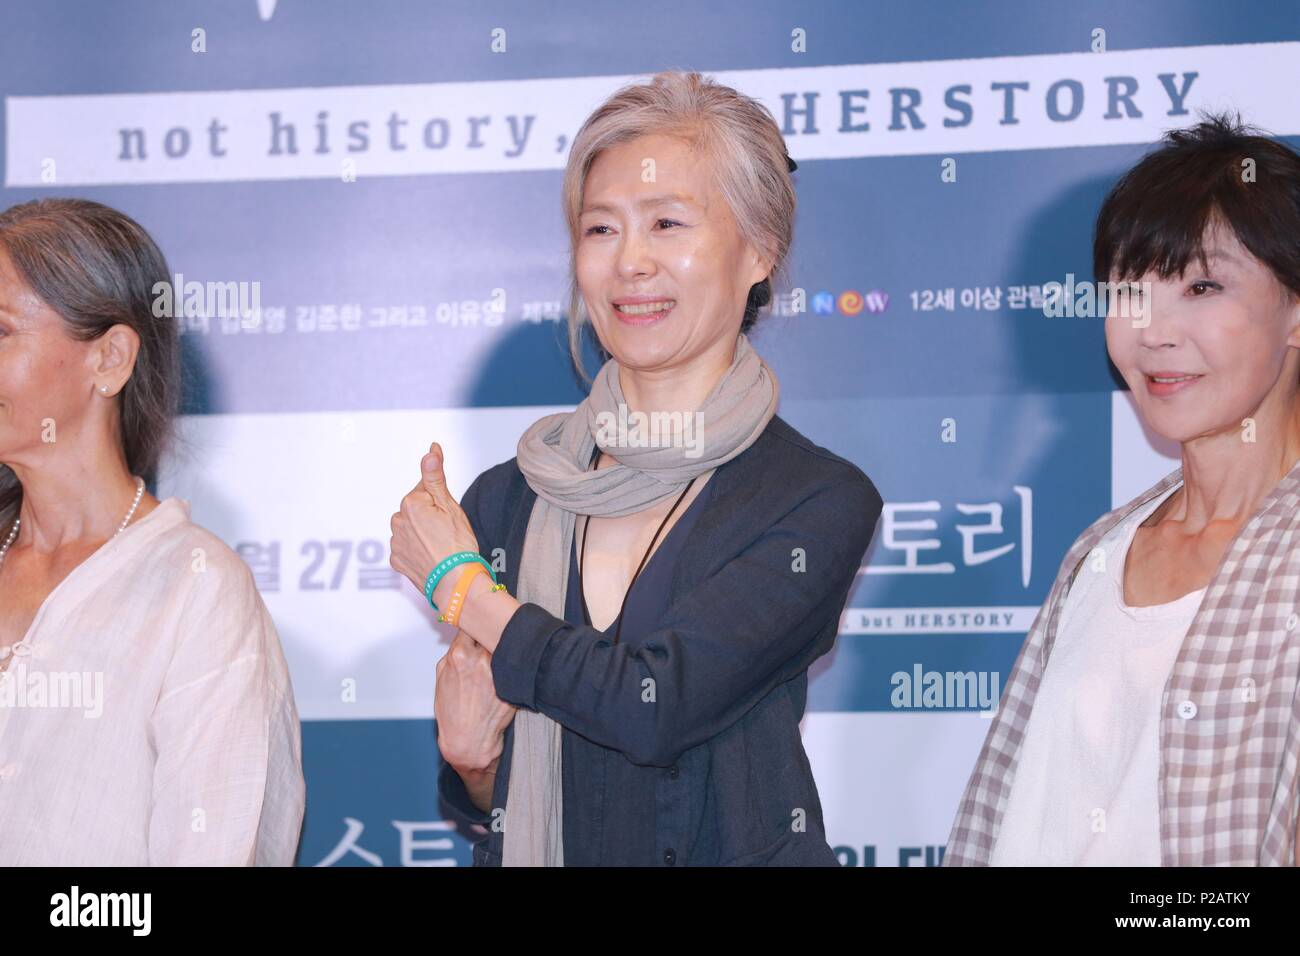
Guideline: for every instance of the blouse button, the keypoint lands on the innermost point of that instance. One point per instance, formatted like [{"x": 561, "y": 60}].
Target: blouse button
[
  {"x": 673, "y": 773},
  {"x": 1187, "y": 710},
  {"x": 8, "y": 771},
  {"x": 670, "y": 856}
]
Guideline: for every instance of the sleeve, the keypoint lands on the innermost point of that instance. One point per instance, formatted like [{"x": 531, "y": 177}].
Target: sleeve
[
  {"x": 228, "y": 785},
  {"x": 757, "y": 622}
]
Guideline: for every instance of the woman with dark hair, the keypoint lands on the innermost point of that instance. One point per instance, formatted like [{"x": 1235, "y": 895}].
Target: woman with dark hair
[
  {"x": 146, "y": 713},
  {"x": 1164, "y": 728},
  {"x": 639, "y": 702}
]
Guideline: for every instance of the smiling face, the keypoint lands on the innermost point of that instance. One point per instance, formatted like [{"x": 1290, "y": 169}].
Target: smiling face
[
  {"x": 661, "y": 265},
  {"x": 45, "y": 374},
  {"x": 1220, "y": 341}
]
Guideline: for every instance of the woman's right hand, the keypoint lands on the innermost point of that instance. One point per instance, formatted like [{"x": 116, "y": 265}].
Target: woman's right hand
[{"x": 472, "y": 720}]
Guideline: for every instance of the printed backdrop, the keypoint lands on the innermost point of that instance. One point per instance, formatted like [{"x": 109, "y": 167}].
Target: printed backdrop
[{"x": 375, "y": 190}]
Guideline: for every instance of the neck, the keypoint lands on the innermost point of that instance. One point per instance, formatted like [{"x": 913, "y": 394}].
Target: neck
[
  {"x": 1225, "y": 477},
  {"x": 62, "y": 507},
  {"x": 680, "y": 388}
]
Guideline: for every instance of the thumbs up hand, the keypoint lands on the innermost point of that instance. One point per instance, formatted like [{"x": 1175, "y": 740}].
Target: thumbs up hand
[
  {"x": 432, "y": 478},
  {"x": 429, "y": 526}
]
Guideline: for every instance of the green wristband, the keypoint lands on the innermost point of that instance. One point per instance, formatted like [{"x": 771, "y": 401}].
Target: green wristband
[{"x": 445, "y": 565}]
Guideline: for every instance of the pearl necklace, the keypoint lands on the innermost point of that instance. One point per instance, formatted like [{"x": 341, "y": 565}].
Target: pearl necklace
[{"x": 139, "y": 493}]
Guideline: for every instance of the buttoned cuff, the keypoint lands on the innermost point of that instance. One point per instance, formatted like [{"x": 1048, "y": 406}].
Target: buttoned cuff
[
  {"x": 451, "y": 788},
  {"x": 518, "y": 655}
]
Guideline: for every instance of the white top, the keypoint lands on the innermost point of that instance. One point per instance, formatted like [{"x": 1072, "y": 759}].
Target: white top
[
  {"x": 1085, "y": 789},
  {"x": 147, "y": 717}
]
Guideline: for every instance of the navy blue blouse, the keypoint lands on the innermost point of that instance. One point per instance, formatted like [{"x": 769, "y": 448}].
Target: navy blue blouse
[
  {"x": 609, "y": 802},
  {"x": 711, "y": 771}
]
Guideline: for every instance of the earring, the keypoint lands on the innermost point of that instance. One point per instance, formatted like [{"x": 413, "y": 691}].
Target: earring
[{"x": 103, "y": 389}]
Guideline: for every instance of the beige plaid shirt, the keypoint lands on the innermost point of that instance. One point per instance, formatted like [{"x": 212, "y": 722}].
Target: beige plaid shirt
[{"x": 1230, "y": 714}]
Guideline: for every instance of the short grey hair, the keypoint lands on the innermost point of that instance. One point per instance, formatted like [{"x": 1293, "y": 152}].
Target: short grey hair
[{"x": 734, "y": 133}]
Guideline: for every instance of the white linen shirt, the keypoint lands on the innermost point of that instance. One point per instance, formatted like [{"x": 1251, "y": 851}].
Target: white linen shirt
[{"x": 190, "y": 751}]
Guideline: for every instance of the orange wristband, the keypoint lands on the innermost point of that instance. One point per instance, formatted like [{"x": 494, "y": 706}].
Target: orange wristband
[{"x": 457, "y": 601}]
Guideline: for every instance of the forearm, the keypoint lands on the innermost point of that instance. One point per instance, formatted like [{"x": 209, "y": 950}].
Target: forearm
[{"x": 485, "y": 612}]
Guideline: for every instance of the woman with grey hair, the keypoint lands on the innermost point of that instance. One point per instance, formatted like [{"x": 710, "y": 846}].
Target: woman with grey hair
[
  {"x": 678, "y": 553},
  {"x": 146, "y": 713}
]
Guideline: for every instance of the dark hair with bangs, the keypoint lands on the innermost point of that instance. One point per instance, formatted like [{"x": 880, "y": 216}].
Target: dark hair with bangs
[{"x": 1156, "y": 216}]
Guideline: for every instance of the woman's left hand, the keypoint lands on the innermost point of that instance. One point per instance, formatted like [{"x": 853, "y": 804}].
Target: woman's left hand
[{"x": 429, "y": 525}]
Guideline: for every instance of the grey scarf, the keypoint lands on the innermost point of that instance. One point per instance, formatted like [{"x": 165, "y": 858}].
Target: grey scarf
[{"x": 554, "y": 456}]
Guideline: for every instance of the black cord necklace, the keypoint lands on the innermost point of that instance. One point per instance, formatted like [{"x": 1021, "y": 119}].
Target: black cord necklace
[{"x": 586, "y": 615}]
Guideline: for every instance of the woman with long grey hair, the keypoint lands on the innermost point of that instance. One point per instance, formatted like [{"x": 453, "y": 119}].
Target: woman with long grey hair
[{"x": 146, "y": 713}]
